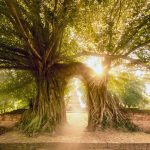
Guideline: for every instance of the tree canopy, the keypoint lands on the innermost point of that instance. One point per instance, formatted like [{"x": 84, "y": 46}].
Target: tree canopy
[
  {"x": 117, "y": 29},
  {"x": 28, "y": 29}
]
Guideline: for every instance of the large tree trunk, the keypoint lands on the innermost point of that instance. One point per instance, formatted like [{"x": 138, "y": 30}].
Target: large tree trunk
[
  {"x": 48, "y": 110},
  {"x": 104, "y": 107}
]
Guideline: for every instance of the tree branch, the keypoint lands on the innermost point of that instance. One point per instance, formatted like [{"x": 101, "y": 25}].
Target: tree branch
[
  {"x": 16, "y": 67},
  {"x": 17, "y": 15},
  {"x": 136, "y": 47},
  {"x": 130, "y": 32},
  {"x": 19, "y": 51}
]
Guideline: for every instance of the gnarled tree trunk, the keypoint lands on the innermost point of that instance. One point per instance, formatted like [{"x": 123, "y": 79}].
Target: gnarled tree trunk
[
  {"x": 48, "y": 110},
  {"x": 104, "y": 107}
]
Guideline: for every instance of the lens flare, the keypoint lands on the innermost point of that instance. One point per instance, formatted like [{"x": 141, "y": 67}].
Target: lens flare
[{"x": 94, "y": 63}]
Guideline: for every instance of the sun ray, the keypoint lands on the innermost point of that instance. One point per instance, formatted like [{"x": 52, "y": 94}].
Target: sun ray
[{"x": 94, "y": 63}]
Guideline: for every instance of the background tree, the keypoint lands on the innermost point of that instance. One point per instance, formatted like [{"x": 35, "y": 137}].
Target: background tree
[
  {"x": 129, "y": 88},
  {"x": 16, "y": 90}
]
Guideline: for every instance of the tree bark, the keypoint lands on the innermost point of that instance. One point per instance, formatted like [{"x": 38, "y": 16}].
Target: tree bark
[
  {"x": 105, "y": 109},
  {"x": 48, "y": 111}
]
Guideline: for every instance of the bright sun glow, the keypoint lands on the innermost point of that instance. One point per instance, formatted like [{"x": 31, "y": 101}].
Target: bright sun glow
[
  {"x": 139, "y": 73},
  {"x": 95, "y": 64}
]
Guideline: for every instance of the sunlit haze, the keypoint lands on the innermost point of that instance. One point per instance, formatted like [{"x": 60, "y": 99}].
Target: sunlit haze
[
  {"x": 77, "y": 84},
  {"x": 94, "y": 63},
  {"x": 76, "y": 95},
  {"x": 147, "y": 89}
]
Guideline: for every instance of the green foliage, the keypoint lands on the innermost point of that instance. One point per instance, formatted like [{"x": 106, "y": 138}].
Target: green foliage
[
  {"x": 16, "y": 88},
  {"x": 133, "y": 96},
  {"x": 117, "y": 28},
  {"x": 129, "y": 89},
  {"x": 33, "y": 124},
  {"x": 33, "y": 29}
]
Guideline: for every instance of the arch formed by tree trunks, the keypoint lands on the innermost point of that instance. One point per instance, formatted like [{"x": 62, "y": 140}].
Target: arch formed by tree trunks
[
  {"x": 49, "y": 107},
  {"x": 104, "y": 108}
]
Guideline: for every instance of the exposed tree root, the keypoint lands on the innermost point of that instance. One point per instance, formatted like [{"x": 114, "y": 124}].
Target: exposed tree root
[
  {"x": 104, "y": 110},
  {"x": 32, "y": 123},
  {"x": 48, "y": 110}
]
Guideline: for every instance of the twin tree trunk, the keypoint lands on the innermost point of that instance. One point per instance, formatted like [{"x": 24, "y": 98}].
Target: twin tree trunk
[
  {"x": 48, "y": 111},
  {"x": 104, "y": 107}
]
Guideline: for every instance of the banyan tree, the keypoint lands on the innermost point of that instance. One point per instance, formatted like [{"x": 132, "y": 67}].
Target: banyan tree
[{"x": 42, "y": 37}]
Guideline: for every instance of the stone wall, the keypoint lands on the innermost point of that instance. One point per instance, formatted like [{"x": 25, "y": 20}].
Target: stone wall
[{"x": 139, "y": 117}]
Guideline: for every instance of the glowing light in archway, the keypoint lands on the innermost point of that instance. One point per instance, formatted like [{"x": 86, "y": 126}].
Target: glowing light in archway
[
  {"x": 79, "y": 94},
  {"x": 77, "y": 84},
  {"x": 147, "y": 88}
]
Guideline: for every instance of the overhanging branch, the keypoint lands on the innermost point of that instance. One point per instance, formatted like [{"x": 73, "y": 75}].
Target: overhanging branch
[
  {"x": 21, "y": 24},
  {"x": 16, "y": 50},
  {"x": 88, "y": 53},
  {"x": 16, "y": 67}
]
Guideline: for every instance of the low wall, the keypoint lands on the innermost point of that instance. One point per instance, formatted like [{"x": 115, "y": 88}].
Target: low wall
[{"x": 139, "y": 117}]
